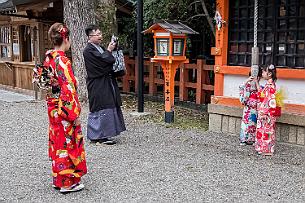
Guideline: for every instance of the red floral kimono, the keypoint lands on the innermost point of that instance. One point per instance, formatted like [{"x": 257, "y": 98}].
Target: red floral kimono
[
  {"x": 66, "y": 142},
  {"x": 265, "y": 134}
]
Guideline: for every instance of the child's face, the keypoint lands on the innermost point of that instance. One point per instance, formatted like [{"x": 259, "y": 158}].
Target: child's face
[{"x": 266, "y": 75}]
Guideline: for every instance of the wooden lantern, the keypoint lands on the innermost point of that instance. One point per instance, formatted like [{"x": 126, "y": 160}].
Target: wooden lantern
[{"x": 170, "y": 46}]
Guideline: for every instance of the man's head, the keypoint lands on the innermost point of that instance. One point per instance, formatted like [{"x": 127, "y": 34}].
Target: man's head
[{"x": 94, "y": 34}]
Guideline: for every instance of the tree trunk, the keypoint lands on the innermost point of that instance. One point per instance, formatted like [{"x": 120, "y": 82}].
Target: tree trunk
[{"x": 77, "y": 15}]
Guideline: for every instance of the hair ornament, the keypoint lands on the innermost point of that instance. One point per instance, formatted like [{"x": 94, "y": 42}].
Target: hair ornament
[
  {"x": 64, "y": 33},
  {"x": 271, "y": 67}
]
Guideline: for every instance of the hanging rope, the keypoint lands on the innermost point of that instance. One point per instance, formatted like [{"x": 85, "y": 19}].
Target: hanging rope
[
  {"x": 255, "y": 22},
  {"x": 255, "y": 49}
]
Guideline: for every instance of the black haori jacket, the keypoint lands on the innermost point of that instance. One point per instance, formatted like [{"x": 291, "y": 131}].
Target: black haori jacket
[{"x": 103, "y": 91}]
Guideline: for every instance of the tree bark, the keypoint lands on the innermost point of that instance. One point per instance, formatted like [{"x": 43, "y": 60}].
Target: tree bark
[{"x": 77, "y": 15}]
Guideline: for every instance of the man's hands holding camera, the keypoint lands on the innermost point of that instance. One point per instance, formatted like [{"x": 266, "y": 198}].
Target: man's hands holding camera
[{"x": 113, "y": 44}]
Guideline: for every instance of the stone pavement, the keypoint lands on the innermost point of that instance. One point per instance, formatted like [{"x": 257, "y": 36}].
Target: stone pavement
[
  {"x": 8, "y": 96},
  {"x": 151, "y": 163}
]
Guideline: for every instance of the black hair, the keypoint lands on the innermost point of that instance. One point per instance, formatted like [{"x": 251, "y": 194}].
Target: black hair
[
  {"x": 91, "y": 28},
  {"x": 260, "y": 72},
  {"x": 271, "y": 69}
]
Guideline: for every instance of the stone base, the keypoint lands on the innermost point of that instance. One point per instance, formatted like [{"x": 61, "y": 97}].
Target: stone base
[
  {"x": 169, "y": 117},
  {"x": 290, "y": 128}
]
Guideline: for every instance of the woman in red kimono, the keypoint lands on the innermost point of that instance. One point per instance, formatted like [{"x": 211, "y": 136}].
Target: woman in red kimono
[
  {"x": 267, "y": 112},
  {"x": 66, "y": 142}
]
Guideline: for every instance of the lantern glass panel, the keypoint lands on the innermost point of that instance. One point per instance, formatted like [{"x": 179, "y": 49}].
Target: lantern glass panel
[
  {"x": 162, "y": 47},
  {"x": 178, "y": 46}
]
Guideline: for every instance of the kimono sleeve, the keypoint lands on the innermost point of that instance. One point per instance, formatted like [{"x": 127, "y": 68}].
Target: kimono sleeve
[
  {"x": 68, "y": 104},
  {"x": 105, "y": 57},
  {"x": 108, "y": 57},
  {"x": 271, "y": 101},
  {"x": 98, "y": 64},
  {"x": 260, "y": 94},
  {"x": 243, "y": 94}
]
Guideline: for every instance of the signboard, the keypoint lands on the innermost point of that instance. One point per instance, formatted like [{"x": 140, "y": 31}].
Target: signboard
[
  {"x": 178, "y": 47},
  {"x": 162, "y": 47}
]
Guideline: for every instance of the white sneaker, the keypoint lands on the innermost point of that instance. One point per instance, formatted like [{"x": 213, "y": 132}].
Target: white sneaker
[{"x": 75, "y": 188}]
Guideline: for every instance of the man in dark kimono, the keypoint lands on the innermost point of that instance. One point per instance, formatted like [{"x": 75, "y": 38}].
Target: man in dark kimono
[{"x": 105, "y": 119}]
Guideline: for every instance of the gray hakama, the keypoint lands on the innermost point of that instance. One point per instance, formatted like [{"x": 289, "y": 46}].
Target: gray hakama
[{"x": 105, "y": 123}]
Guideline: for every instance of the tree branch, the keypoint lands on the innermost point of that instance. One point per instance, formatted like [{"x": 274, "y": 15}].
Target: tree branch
[
  {"x": 194, "y": 16},
  {"x": 195, "y": 2},
  {"x": 208, "y": 17}
]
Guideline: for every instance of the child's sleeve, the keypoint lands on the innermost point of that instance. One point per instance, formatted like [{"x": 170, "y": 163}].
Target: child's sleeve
[
  {"x": 260, "y": 93},
  {"x": 271, "y": 101},
  {"x": 243, "y": 94}
]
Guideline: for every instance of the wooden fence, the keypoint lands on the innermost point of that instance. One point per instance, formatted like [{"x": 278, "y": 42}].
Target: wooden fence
[{"x": 192, "y": 82}]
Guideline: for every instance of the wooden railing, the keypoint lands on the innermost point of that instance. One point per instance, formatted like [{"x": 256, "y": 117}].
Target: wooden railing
[
  {"x": 189, "y": 77},
  {"x": 16, "y": 75}
]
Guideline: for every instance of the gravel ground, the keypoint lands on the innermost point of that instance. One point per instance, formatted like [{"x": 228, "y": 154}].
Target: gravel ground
[{"x": 151, "y": 163}]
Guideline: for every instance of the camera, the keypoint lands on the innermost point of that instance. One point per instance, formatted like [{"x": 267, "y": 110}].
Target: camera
[{"x": 114, "y": 40}]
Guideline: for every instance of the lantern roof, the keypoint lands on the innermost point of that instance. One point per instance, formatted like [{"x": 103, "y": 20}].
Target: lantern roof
[{"x": 175, "y": 27}]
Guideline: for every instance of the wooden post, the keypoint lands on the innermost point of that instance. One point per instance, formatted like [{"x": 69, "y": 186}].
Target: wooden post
[
  {"x": 169, "y": 70},
  {"x": 199, "y": 81},
  {"x": 40, "y": 42},
  {"x": 152, "y": 76},
  {"x": 221, "y": 46},
  {"x": 126, "y": 85},
  {"x": 16, "y": 75},
  {"x": 173, "y": 69},
  {"x": 183, "y": 79},
  {"x": 11, "y": 45},
  {"x": 204, "y": 79},
  {"x": 35, "y": 54}
]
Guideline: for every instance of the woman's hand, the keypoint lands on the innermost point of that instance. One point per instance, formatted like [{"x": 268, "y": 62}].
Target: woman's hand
[
  {"x": 76, "y": 82},
  {"x": 77, "y": 122}
]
